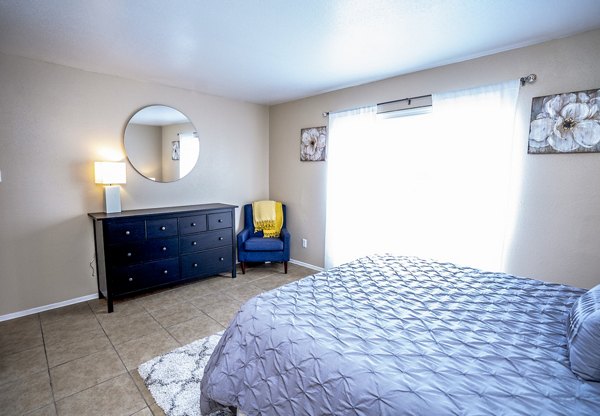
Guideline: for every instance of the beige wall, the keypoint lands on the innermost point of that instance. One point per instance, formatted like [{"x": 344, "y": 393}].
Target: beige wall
[
  {"x": 557, "y": 233},
  {"x": 54, "y": 123}
]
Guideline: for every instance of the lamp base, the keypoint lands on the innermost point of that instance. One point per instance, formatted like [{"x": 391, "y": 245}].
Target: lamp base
[{"x": 112, "y": 199}]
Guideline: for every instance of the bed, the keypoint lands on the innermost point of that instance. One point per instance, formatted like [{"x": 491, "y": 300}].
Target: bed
[{"x": 386, "y": 335}]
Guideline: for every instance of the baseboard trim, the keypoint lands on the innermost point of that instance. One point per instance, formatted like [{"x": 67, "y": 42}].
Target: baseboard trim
[
  {"x": 44, "y": 308},
  {"x": 307, "y": 265}
]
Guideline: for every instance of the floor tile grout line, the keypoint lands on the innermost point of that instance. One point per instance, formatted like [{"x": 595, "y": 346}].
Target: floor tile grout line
[
  {"x": 146, "y": 405},
  {"x": 39, "y": 408},
  {"x": 48, "y": 361},
  {"x": 91, "y": 387},
  {"x": 140, "y": 393},
  {"x": 39, "y": 320},
  {"x": 118, "y": 355},
  {"x": 166, "y": 328},
  {"x": 139, "y": 389}
]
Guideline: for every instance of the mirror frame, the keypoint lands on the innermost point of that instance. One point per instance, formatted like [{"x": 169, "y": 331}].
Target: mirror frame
[{"x": 171, "y": 149}]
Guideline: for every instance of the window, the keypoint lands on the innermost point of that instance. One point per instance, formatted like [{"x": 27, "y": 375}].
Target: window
[
  {"x": 189, "y": 150},
  {"x": 431, "y": 184}
]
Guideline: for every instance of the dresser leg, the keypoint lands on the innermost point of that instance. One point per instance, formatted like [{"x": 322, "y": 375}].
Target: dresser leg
[{"x": 109, "y": 303}]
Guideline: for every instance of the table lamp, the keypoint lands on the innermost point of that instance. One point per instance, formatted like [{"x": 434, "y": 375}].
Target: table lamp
[{"x": 111, "y": 174}]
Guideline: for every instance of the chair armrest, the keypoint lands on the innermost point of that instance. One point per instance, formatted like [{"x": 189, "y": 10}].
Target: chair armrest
[
  {"x": 285, "y": 235},
  {"x": 243, "y": 236}
]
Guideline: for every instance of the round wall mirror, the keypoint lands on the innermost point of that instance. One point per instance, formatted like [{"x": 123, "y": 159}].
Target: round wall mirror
[{"x": 161, "y": 143}]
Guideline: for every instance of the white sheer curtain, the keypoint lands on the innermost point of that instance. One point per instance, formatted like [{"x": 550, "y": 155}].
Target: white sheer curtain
[
  {"x": 432, "y": 185},
  {"x": 475, "y": 129},
  {"x": 349, "y": 155}
]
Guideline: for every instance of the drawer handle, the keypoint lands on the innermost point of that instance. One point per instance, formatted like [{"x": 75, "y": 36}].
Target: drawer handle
[
  {"x": 194, "y": 243},
  {"x": 127, "y": 232},
  {"x": 193, "y": 224},
  {"x": 219, "y": 220},
  {"x": 163, "y": 228},
  {"x": 195, "y": 264},
  {"x": 128, "y": 254},
  {"x": 221, "y": 258},
  {"x": 220, "y": 238},
  {"x": 164, "y": 249},
  {"x": 131, "y": 279},
  {"x": 166, "y": 272}
]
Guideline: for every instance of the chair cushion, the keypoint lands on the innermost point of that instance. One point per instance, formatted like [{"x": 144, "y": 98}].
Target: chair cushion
[
  {"x": 263, "y": 244},
  {"x": 583, "y": 335}
]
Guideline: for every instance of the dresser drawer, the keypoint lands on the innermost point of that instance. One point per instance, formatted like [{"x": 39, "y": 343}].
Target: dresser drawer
[
  {"x": 126, "y": 254},
  {"x": 203, "y": 241},
  {"x": 161, "y": 228},
  {"x": 142, "y": 276},
  {"x": 220, "y": 220},
  {"x": 161, "y": 248},
  {"x": 163, "y": 271},
  {"x": 206, "y": 262},
  {"x": 124, "y": 232},
  {"x": 193, "y": 224}
]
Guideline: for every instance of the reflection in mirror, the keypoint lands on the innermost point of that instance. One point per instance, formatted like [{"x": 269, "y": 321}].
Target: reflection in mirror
[{"x": 161, "y": 143}]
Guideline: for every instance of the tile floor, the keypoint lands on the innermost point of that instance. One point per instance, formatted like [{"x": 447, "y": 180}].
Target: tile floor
[{"x": 80, "y": 360}]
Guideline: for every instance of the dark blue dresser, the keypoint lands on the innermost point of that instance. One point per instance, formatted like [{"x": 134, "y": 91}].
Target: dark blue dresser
[{"x": 141, "y": 249}]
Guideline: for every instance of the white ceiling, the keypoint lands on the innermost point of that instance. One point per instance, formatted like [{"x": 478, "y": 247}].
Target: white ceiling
[{"x": 272, "y": 51}]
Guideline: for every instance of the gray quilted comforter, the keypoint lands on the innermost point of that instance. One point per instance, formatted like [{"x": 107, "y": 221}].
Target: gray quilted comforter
[{"x": 387, "y": 335}]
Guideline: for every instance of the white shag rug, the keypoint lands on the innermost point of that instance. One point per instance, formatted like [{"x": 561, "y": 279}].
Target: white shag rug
[{"x": 174, "y": 378}]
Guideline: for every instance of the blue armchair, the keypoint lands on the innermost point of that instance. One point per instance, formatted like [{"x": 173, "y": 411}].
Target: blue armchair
[{"x": 252, "y": 247}]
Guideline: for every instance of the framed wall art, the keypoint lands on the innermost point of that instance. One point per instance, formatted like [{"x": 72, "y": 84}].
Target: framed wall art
[
  {"x": 313, "y": 144},
  {"x": 565, "y": 123},
  {"x": 175, "y": 150}
]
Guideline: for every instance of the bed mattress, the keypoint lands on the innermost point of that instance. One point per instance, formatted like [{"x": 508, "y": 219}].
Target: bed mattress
[{"x": 386, "y": 335}]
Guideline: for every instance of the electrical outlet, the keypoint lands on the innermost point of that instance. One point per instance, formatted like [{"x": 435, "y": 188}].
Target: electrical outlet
[{"x": 304, "y": 243}]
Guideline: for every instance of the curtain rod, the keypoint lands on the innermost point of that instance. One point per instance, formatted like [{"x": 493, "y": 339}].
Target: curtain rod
[
  {"x": 527, "y": 79},
  {"x": 409, "y": 99}
]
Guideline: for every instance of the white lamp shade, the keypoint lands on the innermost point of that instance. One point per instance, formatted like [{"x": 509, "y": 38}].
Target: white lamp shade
[{"x": 110, "y": 173}]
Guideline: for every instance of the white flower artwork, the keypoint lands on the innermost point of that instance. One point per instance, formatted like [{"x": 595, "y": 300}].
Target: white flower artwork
[
  {"x": 313, "y": 144},
  {"x": 565, "y": 123}
]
